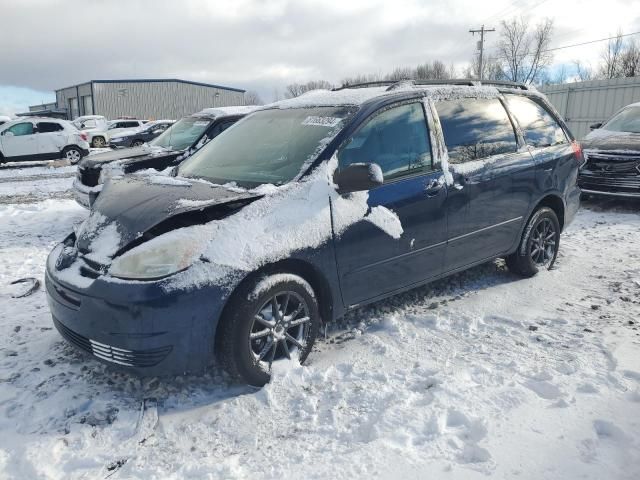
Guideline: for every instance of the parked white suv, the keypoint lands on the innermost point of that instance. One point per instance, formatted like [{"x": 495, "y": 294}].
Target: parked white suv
[
  {"x": 35, "y": 138},
  {"x": 96, "y": 127},
  {"x": 99, "y": 129}
]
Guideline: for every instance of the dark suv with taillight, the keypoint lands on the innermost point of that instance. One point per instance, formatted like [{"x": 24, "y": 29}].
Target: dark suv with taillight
[{"x": 177, "y": 143}]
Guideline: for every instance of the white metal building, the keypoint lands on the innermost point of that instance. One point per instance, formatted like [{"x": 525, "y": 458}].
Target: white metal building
[
  {"x": 585, "y": 103},
  {"x": 144, "y": 98}
]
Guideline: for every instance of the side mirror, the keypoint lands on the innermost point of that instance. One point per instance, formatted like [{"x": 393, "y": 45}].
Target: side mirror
[
  {"x": 8, "y": 134},
  {"x": 358, "y": 177},
  {"x": 595, "y": 126}
]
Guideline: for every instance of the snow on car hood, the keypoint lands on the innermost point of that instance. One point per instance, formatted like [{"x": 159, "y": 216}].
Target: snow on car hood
[
  {"x": 122, "y": 154},
  {"x": 140, "y": 203},
  {"x": 246, "y": 228},
  {"x": 286, "y": 219}
]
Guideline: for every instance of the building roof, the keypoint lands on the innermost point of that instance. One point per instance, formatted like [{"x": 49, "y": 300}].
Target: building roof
[{"x": 156, "y": 80}]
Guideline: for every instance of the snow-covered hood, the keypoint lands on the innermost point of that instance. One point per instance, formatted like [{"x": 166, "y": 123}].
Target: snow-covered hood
[
  {"x": 123, "y": 154},
  {"x": 608, "y": 140},
  {"x": 141, "y": 204}
]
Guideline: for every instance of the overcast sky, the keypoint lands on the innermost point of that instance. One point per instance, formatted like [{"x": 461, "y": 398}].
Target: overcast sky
[{"x": 264, "y": 45}]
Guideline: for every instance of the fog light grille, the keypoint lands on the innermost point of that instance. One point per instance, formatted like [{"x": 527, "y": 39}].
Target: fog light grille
[{"x": 120, "y": 356}]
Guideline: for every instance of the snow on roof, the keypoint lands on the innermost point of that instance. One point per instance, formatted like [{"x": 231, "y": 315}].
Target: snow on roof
[
  {"x": 358, "y": 96},
  {"x": 227, "y": 111},
  {"x": 90, "y": 117}
]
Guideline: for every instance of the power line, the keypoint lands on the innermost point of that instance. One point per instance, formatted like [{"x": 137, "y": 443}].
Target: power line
[
  {"x": 482, "y": 31},
  {"x": 591, "y": 41},
  {"x": 573, "y": 45}
]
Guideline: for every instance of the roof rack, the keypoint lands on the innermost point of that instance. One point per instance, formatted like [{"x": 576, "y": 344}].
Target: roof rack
[{"x": 392, "y": 84}]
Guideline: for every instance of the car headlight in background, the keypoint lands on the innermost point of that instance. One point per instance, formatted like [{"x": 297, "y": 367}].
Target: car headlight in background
[{"x": 157, "y": 258}]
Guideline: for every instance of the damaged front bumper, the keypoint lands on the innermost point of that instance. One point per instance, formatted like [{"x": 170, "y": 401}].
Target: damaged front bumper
[{"x": 142, "y": 327}]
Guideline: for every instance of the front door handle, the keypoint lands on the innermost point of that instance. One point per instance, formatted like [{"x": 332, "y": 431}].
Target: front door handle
[{"x": 433, "y": 187}]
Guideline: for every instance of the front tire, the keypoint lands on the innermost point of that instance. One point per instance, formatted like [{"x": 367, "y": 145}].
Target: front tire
[
  {"x": 73, "y": 154},
  {"x": 273, "y": 319},
  {"x": 538, "y": 246},
  {"x": 98, "y": 142},
  {"x": 137, "y": 143}
]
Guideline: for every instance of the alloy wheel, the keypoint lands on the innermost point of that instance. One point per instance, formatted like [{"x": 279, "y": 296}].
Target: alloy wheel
[
  {"x": 543, "y": 242},
  {"x": 73, "y": 155},
  {"x": 98, "y": 142},
  {"x": 280, "y": 328}
]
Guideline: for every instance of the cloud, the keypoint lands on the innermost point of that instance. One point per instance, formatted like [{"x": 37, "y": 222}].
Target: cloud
[{"x": 258, "y": 45}]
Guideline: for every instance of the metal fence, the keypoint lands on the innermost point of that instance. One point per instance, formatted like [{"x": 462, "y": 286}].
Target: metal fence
[{"x": 585, "y": 103}]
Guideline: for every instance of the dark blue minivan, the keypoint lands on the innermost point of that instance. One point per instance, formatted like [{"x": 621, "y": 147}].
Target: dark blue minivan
[{"x": 305, "y": 209}]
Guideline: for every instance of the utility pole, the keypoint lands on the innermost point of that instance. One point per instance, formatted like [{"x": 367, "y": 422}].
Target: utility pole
[{"x": 482, "y": 31}]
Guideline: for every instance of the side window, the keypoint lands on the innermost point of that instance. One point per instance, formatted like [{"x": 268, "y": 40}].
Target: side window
[
  {"x": 226, "y": 125},
  {"x": 396, "y": 139},
  {"x": 21, "y": 129},
  {"x": 539, "y": 127},
  {"x": 46, "y": 127},
  {"x": 475, "y": 128}
]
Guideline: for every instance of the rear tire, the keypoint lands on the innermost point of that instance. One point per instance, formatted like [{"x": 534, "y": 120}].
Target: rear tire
[
  {"x": 98, "y": 142},
  {"x": 254, "y": 332},
  {"x": 137, "y": 143},
  {"x": 538, "y": 246},
  {"x": 73, "y": 154}
]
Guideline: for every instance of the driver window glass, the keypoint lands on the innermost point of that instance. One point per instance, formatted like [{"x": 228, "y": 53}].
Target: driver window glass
[
  {"x": 396, "y": 139},
  {"x": 21, "y": 129},
  {"x": 47, "y": 127}
]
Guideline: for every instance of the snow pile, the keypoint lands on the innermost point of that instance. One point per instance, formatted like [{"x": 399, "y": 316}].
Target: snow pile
[{"x": 482, "y": 375}]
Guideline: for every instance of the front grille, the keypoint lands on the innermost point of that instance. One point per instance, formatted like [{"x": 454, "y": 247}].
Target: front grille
[
  {"x": 89, "y": 176},
  {"x": 120, "y": 356},
  {"x": 613, "y": 164}
]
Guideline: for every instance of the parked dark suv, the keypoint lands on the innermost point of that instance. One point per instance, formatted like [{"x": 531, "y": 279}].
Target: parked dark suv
[
  {"x": 612, "y": 152},
  {"x": 306, "y": 209},
  {"x": 177, "y": 142}
]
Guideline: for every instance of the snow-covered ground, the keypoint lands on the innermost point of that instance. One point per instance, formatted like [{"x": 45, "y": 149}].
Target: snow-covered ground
[{"x": 480, "y": 375}]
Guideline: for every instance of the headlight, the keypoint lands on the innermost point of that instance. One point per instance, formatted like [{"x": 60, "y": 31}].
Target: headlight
[{"x": 157, "y": 258}]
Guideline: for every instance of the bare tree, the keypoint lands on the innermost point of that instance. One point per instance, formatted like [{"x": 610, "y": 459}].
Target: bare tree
[
  {"x": 583, "y": 72},
  {"x": 252, "y": 98},
  {"x": 436, "y": 70},
  {"x": 630, "y": 60},
  {"x": 362, "y": 78},
  {"x": 491, "y": 69},
  {"x": 296, "y": 89},
  {"x": 561, "y": 75},
  {"x": 611, "y": 57},
  {"x": 522, "y": 52}
]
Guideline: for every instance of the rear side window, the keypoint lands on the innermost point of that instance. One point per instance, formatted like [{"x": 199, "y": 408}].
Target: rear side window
[
  {"x": 396, "y": 139},
  {"x": 475, "y": 128},
  {"x": 20, "y": 129},
  {"x": 539, "y": 127},
  {"x": 45, "y": 127}
]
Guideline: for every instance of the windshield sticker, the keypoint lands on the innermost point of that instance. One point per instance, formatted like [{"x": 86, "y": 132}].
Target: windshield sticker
[{"x": 321, "y": 121}]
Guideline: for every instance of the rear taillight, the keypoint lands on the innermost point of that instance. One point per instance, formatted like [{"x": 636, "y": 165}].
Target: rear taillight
[
  {"x": 83, "y": 136},
  {"x": 577, "y": 151}
]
